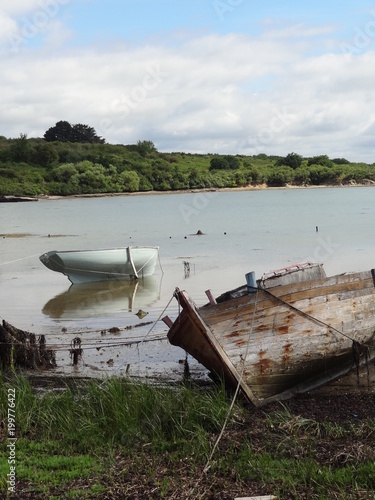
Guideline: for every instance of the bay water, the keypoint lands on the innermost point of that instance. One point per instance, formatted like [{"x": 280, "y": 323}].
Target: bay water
[{"x": 243, "y": 230}]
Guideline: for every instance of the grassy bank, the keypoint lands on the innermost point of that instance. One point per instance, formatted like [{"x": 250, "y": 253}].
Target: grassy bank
[{"x": 126, "y": 440}]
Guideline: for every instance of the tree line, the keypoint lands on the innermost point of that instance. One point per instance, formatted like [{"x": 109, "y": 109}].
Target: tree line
[{"x": 73, "y": 160}]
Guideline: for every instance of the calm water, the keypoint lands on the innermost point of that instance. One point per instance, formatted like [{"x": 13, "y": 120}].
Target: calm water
[{"x": 243, "y": 231}]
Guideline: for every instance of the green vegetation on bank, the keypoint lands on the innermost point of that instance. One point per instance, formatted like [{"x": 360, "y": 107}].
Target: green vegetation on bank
[
  {"x": 34, "y": 167},
  {"x": 118, "y": 439}
]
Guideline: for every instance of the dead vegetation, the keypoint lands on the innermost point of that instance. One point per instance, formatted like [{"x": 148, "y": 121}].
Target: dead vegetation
[{"x": 21, "y": 349}]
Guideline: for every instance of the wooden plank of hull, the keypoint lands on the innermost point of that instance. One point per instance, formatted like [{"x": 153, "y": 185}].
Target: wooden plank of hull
[
  {"x": 289, "y": 294},
  {"x": 292, "y": 337},
  {"x": 191, "y": 334}
]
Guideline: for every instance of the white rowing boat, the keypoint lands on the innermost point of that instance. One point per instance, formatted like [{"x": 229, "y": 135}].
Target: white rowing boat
[{"x": 86, "y": 266}]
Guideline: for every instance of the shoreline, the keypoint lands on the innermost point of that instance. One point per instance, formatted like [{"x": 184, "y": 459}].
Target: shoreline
[{"x": 260, "y": 187}]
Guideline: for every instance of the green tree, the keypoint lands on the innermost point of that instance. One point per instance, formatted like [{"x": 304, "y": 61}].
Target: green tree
[
  {"x": 145, "y": 148},
  {"x": 60, "y": 132},
  {"x": 280, "y": 176},
  {"x": 320, "y": 160},
  {"x": 64, "y": 172},
  {"x": 256, "y": 175},
  {"x": 292, "y": 160},
  {"x": 219, "y": 163},
  {"x": 341, "y": 161},
  {"x": 233, "y": 162},
  {"x": 358, "y": 173},
  {"x": 63, "y": 131},
  {"x": 44, "y": 154},
  {"x": 319, "y": 174},
  {"x": 20, "y": 149},
  {"x": 84, "y": 133},
  {"x": 301, "y": 176},
  {"x": 93, "y": 178},
  {"x": 128, "y": 181}
]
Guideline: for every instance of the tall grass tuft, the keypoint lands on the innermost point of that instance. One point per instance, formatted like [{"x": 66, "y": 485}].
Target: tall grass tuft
[{"x": 120, "y": 411}]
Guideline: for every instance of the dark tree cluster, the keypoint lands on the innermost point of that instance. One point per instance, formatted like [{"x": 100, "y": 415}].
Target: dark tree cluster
[
  {"x": 227, "y": 162},
  {"x": 63, "y": 131},
  {"x": 292, "y": 160}
]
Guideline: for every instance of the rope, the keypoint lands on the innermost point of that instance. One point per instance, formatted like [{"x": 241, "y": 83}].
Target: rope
[
  {"x": 64, "y": 347},
  {"x": 19, "y": 260},
  {"x": 159, "y": 318},
  {"x": 144, "y": 338},
  {"x": 97, "y": 346},
  {"x": 207, "y": 466},
  {"x": 161, "y": 267},
  {"x": 308, "y": 316},
  {"x": 145, "y": 264}
]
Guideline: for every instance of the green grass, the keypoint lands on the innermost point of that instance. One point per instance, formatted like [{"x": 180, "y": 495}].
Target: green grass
[
  {"x": 44, "y": 463},
  {"x": 119, "y": 433},
  {"x": 63, "y": 436}
]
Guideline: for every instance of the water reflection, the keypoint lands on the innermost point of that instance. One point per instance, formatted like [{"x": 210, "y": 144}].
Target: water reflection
[{"x": 103, "y": 298}]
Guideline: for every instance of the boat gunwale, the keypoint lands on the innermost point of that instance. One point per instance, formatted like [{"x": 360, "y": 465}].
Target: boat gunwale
[
  {"x": 102, "y": 249},
  {"x": 285, "y": 293}
]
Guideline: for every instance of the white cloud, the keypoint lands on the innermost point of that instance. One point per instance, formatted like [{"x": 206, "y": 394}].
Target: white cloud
[
  {"x": 22, "y": 22},
  {"x": 219, "y": 94},
  {"x": 7, "y": 27},
  {"x": 18, "y": 7}
]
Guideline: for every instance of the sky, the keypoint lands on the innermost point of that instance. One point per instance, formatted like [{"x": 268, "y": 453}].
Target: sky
[{"x": 196, "y": 76}]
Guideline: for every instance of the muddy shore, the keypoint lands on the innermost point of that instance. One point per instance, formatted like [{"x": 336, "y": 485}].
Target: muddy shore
[{"x": 260, "y": 187}]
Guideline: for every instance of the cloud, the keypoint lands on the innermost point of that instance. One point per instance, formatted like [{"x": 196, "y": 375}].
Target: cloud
[
  {"x": 24, "y": 22},
  {"x": 212, "y": 94},
  {"x": 7, "y": 27},
  {"x": 18, "y": 7}
]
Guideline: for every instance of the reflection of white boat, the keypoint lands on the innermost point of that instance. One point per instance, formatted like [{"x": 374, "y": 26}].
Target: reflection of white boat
[
  {"x": 103, "y": 298},
  {"x": 87, "y": 266}
]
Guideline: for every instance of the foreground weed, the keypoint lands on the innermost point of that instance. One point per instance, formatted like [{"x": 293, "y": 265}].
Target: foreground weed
[
  {"x": 284, "y": 421},
  {"x": 292, "y": 473}
]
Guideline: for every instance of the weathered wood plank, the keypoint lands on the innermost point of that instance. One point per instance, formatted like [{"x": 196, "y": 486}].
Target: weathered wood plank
[{"x": 285, "y": 339}]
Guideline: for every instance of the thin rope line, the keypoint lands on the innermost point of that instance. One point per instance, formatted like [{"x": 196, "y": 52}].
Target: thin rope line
[
  {"x": 143, "y": 340},
  {"x": 207, "y": 466},
  {"x": 18, "y": 260},
  {"x": 308, "y": 316},
  {"x": 97, "y": 346},
  {"x": 145, "y": 264}
]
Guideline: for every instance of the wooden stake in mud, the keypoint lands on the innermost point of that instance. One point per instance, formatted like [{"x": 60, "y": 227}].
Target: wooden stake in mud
[{"x": 76, "y": 350}]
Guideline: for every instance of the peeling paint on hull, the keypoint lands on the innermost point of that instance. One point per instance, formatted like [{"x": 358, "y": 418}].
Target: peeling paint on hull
[{"x": 283, "y": 339}]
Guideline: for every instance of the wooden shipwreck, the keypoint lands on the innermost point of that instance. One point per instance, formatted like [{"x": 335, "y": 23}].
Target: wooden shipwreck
[{"x": 289, "y": 332}]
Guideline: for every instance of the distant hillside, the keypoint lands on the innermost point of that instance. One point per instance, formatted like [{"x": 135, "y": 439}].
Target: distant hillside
[{"x": 33, "y": 167}]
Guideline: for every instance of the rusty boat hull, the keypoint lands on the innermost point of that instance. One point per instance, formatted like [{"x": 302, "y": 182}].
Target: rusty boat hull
[{"x": 290, "y": 332}]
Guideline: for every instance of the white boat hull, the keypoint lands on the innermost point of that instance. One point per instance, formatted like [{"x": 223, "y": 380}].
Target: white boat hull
[{"x": 87, "y": 266}]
